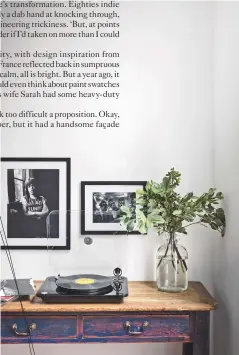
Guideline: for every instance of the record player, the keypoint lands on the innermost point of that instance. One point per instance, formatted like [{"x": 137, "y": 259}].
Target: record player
[{"x": 84, "y": 288}]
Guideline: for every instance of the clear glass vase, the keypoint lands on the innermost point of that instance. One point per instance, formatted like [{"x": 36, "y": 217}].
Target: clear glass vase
[{"x": 172, "y": 265}]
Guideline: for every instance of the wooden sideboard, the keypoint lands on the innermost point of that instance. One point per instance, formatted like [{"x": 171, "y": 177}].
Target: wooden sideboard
[{"x": 146, "y": 315}]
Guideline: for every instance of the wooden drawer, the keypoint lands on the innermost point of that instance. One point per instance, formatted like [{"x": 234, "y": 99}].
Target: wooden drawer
[
  {"x": 47, "y": 328},
  {"x": 129, "y": 328}
]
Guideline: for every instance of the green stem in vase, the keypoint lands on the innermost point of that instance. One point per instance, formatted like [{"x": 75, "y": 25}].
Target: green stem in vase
[
  {"x": 173, "y": 248},
  {"x": 182, "y": 261}
]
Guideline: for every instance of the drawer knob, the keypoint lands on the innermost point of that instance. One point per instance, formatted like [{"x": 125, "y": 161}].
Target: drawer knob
[
  {"x": 136, "y": 332},
  {"x": 31, "y": 327}
]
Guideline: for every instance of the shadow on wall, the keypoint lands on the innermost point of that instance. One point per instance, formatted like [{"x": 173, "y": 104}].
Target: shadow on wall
[{"x": 222, "y": 329}]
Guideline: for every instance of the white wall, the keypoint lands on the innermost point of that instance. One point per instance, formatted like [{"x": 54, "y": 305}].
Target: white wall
[
  {"x": 167, "y": 108},
  {"x": 226, "y": 128}
]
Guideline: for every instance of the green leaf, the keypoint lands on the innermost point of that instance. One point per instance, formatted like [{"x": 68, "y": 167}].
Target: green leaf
[
  {"x": 160, "y": 220},
  {"x": 156, "y": 218},
  {"x": 125, "y": 209},
  {"x": 211, "y": 191},
  {"x": 130, "y": 226},
  {"x": 149, "y": 224},
  {"x": 218, "y": 222},
  {"x": 125, "y": 219},
  {"x": 140, "y": 215},
  {"x": 182, "y": 230},
  {"x": 156, "y": 190},
  {"x": 177, "y": 212},
  {"x": 206, "y": 219},
  {"x": 155, "y": 211},
  {"x": 188, "y": 196},
  {"x": 140, "y": 192},
  {"x": 166, "y": 182},
  {"x": 220, "y": 214},
  {"x": 141, "y": 201},
  {"x": 189, "y": 218},
  {"x": 152, "y": 203},
  {"x": 143, "y": 229},
  {"x": 213, "y": 225},
  {"x": 210, "y": 208}
]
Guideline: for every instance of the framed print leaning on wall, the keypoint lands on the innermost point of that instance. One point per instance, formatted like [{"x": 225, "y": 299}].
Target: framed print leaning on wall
[
  {"x": 33, "y": 190},
  {"x": 101, "y": 202}
]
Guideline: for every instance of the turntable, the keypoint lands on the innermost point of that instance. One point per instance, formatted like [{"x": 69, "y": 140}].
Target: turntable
[{"x": 85, "y": 288}]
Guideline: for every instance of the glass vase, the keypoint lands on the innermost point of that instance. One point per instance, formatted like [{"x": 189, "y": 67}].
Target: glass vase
[{"x": 171, "y": 270}]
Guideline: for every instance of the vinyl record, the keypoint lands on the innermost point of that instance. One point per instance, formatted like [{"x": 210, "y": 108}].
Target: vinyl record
[{"x": 85, "y": 283}]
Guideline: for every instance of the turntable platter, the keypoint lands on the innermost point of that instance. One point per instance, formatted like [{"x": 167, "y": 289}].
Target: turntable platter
[{"x": 85, "y": 283}]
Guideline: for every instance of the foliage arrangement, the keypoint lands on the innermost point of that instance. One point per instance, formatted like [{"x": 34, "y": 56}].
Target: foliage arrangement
[{"x": 159, "y": 206}]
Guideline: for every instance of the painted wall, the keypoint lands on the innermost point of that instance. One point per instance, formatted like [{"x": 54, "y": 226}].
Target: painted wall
[
  {"x": 226, "y": 128},
  {"x": 166, "y": 108}
]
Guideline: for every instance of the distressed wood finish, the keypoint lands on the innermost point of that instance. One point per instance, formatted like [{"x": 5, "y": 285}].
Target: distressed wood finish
[
  {"x": 143, "y": 297},
  {"x": 182, "y": 317},
  {"x": 200, "y": 335},
  {"x": 160, "y": 328},
  {"x": 58, "y": 328}
]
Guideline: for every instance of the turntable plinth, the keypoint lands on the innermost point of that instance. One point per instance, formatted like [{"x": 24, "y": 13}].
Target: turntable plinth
[{"x": 146, "y": 315}]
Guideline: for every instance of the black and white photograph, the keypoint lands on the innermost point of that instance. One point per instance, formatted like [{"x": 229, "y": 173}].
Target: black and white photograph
[
  {"x": 106, "y": 206},
  {"x": 101, "y": 203},
  {"x": 34, "y": 191}
]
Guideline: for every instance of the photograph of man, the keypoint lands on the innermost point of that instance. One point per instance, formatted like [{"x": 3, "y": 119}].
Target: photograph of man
[{"x": 32, "y": 195}]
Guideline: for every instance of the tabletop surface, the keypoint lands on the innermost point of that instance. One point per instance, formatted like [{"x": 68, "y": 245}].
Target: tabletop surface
[{"x": 143, "y": 297}]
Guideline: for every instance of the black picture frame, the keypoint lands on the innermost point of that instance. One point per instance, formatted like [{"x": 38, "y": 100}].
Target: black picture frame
[
  {"x": 52, "y": 165},
  {"x": 98, "y": 229}
]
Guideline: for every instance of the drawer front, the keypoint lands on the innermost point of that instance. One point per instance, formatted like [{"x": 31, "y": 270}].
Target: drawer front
[
  {"x": 47, "y": 328},
  {"x": 126, "y": 328}
]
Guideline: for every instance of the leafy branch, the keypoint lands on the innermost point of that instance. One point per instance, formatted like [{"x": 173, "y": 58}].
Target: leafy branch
[{"x": 160, "y": 207}]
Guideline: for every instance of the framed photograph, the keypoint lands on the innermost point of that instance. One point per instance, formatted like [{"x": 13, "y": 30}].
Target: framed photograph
[
  {"x": 101, "y": 202},
  {"x": 35, "y": 198}
]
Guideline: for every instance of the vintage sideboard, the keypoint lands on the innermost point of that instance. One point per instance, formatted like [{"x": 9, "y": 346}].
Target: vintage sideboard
[{"x": 146, "y": 315}]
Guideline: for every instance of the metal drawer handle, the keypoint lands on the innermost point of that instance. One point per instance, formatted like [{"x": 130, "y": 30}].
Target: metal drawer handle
[
  {"x": 138, "y": 332},
  {"x": 31, "y": 327}
]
